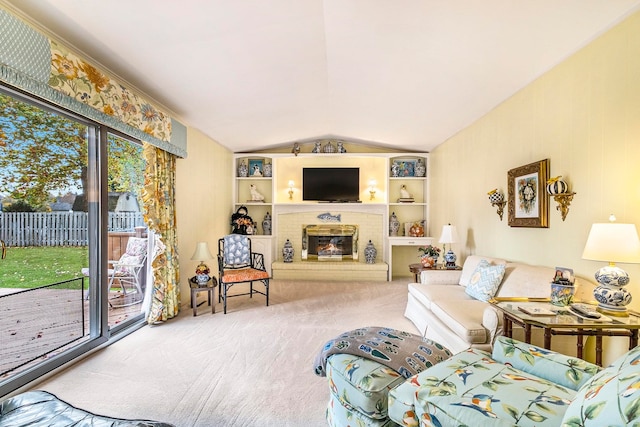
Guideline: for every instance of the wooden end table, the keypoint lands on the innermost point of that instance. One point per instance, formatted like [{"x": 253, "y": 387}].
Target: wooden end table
[
  {"x": 565, "y": 322},
  {"x": 209, "y": 287},
  {"x": 417, "y": 268}
]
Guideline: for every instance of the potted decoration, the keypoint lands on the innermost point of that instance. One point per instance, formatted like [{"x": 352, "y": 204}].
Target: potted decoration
[
  {"x": 563, "y": 287},
  {"x": 429, "y": 255}
]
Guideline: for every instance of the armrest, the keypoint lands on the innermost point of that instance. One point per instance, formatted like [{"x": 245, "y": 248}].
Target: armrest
[
  {"x": 492, "y": 321},
  {"x": 567, "y": 371},
  {"x": 440, "y": 277}
]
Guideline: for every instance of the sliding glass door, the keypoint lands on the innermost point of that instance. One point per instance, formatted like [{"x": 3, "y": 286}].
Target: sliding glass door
[{"x": 69, "y": 208}]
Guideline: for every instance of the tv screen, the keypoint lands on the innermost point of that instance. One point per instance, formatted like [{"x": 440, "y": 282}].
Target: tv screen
[{"x": 331, "y": 184}]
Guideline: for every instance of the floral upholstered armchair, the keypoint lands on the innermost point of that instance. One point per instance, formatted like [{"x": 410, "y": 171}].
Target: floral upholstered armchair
[{"x": 520, "y": 384}]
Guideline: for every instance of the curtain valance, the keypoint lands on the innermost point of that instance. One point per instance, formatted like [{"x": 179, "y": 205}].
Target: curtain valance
[{"x": 46, "y": 68}]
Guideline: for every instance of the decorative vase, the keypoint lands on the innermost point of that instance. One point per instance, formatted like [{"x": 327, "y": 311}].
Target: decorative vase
[
  {"x": 329, "y": 148},
  {"x": 495, "y": 196},
  {"x": 394, "y": 225},
  {"x": 266, "y": 224},
  {"x": 420, "y": 169},
  {"x": 395, "y": 170},
  {"x": 202, "y": 278},
  {"x": 556, "y": 186},
  {"x": 287, "y": 252},
  {"x": 428, "y": 261},
  {"x": 243, "y": 171},
  {"x": 450, "y": 259},
  {"x": 370, "y": 253},
  {"x": 267, "y": 170},
  {"x": 562, "y": 295}
]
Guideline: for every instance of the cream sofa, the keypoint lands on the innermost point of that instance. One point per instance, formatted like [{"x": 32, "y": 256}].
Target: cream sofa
[{"x": 442, "y": 311}]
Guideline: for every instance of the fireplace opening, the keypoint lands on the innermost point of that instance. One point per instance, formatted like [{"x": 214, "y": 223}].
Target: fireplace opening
[{"x": 330, "y": 242}]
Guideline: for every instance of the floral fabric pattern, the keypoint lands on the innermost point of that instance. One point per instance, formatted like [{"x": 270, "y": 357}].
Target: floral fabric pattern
[
  {"x": 473, "y": 389},
  {"x": 85, "y": 83},
  {"x": 611, "y": 397},
  {"x": 158, "y": 200}
]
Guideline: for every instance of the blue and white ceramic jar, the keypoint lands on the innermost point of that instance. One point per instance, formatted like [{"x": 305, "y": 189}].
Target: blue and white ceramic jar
[
  {"x": 266, "y": 224},
  {"x": 394, "y": 225},
  {"x": 243, "y": 170},
  {"x": 370, "y": 253},
  {"x": 267, "y": 170},
  {"x": 287, "y": 252}
]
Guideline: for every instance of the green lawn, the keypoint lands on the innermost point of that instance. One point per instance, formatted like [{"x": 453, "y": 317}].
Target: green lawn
[{"x": 31, "y": 267}]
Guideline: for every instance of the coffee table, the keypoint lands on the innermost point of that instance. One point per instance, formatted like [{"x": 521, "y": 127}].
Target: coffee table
[{"x": 565, "y": 322}]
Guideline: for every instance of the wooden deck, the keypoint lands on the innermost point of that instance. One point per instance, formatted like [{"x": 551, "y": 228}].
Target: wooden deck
[{"x": 34, "y": 327}]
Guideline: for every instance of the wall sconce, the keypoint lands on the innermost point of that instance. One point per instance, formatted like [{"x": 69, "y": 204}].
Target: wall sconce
[
  {"x": 497, "y": 200},
  {"x": 291, "y": 184},
  {"x": 561, "y": 194},
  {"x": 372, "y": 189}
]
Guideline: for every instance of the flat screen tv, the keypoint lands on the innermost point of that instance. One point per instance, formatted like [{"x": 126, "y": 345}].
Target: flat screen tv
[{"x": 331, "y": 184}]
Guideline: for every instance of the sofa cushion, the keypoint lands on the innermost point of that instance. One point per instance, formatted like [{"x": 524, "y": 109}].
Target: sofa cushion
[
  {"x": 428, "y": 293},
  {"x": 485, "y": 280},
  {"x": 339, "y": 415},
  {"x": 611, "y": 397},
  {"x": 568, "y": 371},
  {"x": 463, "y": 317},
  {"x": 472, "y": 389},
  {"x": 526, "y": 280},
  {"x": 361, "y": 384},
  {"x": 470, "y": 265}
]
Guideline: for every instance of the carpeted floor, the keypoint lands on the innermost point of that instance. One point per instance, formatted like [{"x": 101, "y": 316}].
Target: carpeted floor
[{"x": 250, "y": 367}]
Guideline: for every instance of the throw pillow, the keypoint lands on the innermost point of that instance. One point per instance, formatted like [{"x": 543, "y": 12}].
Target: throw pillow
[{"x": 485, "y": 280}]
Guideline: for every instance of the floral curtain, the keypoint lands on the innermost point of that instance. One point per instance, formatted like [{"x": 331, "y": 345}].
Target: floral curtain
[{"x": 158, "y": 199}]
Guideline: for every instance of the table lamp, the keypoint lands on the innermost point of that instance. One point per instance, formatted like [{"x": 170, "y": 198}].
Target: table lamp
[
  {"x": 449, "y": 235},
  {"x": 202, "y": 254},
  {"x": 613, "y": 243}
]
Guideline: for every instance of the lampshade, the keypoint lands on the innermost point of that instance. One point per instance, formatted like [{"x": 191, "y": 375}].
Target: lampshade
[
  {"x": 612, "y": 242},
  {"x": 449, "y": 234},
  {"x": 202, "y": 252}
]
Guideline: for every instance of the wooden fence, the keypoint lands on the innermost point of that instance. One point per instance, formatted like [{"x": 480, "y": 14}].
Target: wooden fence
[{"x": 58, "y": 228}]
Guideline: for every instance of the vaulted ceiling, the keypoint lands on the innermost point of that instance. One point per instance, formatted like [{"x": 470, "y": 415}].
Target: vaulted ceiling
[{"x": 253, "y": 74}]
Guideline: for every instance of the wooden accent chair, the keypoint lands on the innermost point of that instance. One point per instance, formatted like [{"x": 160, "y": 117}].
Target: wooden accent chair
[{"x": 238, "y": 264}]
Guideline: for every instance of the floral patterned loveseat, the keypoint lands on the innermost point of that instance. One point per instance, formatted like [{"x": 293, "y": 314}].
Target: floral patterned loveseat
[{"x": 520, "y": 384}]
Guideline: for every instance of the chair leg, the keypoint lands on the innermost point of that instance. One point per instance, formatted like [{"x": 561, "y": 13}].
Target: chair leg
[
  {"x": 224, "y": 298},
  {"x": 266, "y": 286}
]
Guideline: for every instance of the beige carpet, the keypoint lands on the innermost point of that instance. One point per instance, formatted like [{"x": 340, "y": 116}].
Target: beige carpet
[{"x": 251, "y": 367}]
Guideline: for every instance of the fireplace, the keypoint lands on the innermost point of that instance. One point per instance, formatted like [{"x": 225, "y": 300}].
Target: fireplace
[{"x": 330, "y": 242}]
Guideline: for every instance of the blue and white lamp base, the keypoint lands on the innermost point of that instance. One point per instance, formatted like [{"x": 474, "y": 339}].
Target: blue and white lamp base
[{"x": 611, "y": 294}]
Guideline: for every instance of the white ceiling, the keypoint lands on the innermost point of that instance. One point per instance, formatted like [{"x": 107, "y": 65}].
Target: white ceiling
[{"x": 252, "y": 74}]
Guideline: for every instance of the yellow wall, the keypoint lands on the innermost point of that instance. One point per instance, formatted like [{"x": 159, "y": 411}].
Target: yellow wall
[
  {"x": 584, "y": 115},
  {"x": 203, "y": 202}
]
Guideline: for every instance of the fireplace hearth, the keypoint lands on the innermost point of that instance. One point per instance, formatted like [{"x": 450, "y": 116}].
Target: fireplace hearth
[{"x": 330, "y": 242}]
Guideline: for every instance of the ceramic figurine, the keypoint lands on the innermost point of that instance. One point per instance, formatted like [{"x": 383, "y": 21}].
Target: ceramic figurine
[
  {"x": 404, "y": 193},
  {"x": 395, "y": 170},
  {"x": 255, "y": 194},
  {"x": 340, "y": 147},
  {"x": 296, "y": 148},
  {"x": 316, "y": 147}
]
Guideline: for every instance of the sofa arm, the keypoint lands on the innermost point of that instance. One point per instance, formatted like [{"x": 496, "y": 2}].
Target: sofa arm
[
  {"x": 440, "y": 277},
  {"x": 492, "y": 322},
  {"x": 567, "y": 371}
]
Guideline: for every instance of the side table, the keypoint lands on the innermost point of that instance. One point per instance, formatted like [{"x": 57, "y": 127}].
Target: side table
[
  {"x": 209, "y": 287},
  {"x": 417, "y": 268}
]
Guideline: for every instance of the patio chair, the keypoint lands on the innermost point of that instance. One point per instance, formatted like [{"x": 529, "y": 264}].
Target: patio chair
[
  {"x": 238, "y": 264},
  {"x": 127, "y": 271}
]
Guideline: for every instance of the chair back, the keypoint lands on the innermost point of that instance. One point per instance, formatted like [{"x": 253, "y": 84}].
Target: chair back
[
  {"x": 235, "y": 251},
  {"x": 134, "y": 255}
]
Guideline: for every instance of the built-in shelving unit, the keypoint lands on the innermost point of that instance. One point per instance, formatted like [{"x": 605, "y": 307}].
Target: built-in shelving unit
[{"x": 377, "y": 174}]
